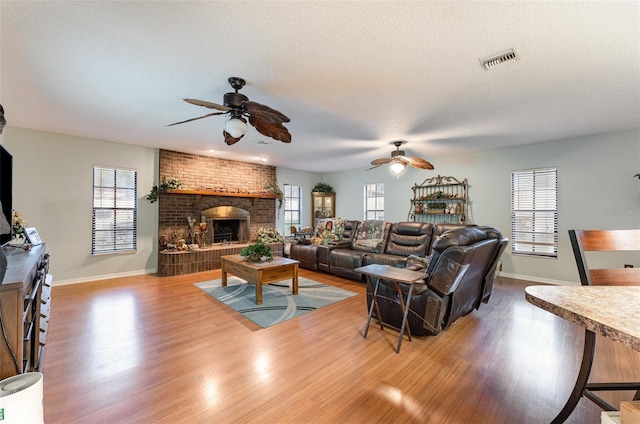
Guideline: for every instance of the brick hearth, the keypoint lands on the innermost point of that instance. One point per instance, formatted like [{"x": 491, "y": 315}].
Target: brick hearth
[{"x": 187, "y": 262}]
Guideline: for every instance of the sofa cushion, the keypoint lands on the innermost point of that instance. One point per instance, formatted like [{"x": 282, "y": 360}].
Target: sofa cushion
[
  {"x": 328, "y": 230},
  {"x": 370, "y": 236},
  {"x": 345, "y": 259},
  {"x": 409, "y": 238}
]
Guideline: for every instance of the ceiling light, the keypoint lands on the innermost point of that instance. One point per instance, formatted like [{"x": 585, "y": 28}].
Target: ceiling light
[
  {"x": 263, "y": 159},
  {"x": 398, "y": 168},
  {"x": 235, "y": 127}
]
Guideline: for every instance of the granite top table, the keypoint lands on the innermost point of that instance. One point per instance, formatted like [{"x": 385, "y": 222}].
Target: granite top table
[{"x": 610, "y": 311}]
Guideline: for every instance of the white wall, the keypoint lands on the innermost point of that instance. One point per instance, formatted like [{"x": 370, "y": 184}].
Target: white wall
[
  {"x": 306, "y": 180},
  {"x": 53, "y": 180},
  {"x": 596, "y": 190},
  {"x": 52, "y": 190}
]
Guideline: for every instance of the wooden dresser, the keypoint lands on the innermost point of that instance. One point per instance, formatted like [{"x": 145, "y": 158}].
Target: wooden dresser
[{"x": 25, "y": 298}]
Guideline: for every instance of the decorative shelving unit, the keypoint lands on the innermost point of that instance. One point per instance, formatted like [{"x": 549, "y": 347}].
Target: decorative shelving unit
[{"x": 439, "y": 200}]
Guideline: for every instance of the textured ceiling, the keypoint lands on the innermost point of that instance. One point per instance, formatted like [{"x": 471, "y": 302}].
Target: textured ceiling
[{"x": 352, "y": 76}]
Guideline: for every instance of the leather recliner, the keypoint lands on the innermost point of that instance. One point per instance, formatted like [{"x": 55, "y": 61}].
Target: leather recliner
[
  {"x": 405, "y": 239},
  {"x": 325, "y": 250},
  {"x": 316, "y": 257},
  {"x": 400, "y": 241},
  {"x": 456, "y": 281}
]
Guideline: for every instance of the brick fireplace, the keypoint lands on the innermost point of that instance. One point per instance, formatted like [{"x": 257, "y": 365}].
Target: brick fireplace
[{"x": 210, "y": 183}]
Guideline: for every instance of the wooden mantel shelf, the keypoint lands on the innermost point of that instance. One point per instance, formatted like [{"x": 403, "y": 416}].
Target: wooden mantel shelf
[{"x": 223, "y": 193}]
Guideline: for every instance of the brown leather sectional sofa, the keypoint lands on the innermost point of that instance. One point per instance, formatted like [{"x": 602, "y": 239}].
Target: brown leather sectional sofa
[{"x": 460, "y": 268}]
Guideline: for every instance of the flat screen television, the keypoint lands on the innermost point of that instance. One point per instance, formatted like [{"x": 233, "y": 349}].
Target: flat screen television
[{"x": 6, "y": 187}]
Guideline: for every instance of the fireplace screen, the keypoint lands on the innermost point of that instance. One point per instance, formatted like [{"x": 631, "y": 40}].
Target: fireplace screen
[{"x": 226, "y": 224}]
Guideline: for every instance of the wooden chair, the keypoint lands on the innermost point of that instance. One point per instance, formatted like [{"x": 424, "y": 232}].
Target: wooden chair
[{"x": 600, "y": 241}]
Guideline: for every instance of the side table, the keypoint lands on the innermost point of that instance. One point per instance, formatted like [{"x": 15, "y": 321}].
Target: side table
[{"x": 397, "y": 276}]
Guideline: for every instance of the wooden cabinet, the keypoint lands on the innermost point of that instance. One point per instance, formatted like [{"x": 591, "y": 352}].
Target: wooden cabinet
[
  {"x": 25, "y": 299},
  {"x": 439, "y": 200},
  {"x": 324, "y": 206}
]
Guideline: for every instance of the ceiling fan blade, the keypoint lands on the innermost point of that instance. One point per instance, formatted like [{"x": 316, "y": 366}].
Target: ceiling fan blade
[
  {"x": 229, "y": 139},
  {"x": 195, "y": 119},
  {"x": 265, "y": 113},
  {"x": 381, "y": 161},
  {"x": 373, "y": 167},
  {"x": 417, "y": 162},
  {"x": 208, "y": 104},
  {"x": 274, "y": 130}
]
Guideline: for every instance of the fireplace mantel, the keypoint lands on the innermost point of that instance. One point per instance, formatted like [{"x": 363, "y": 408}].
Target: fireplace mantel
[{"x": 223, "y": 193}]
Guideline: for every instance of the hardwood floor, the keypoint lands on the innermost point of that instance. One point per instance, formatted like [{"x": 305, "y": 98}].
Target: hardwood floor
[{"x": 153, "y": 349}]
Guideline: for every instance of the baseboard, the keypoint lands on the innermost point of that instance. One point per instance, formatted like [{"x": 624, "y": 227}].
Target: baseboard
[
  {"x": 102, "y": 277},
  {"x": 154, "y": 271},
  {"x": 538, "y": 279}
]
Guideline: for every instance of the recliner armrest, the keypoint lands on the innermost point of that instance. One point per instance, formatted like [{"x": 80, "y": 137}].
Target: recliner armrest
[
  {"x": 340, "y": 243},
  {"x": 303, "y": 242}
]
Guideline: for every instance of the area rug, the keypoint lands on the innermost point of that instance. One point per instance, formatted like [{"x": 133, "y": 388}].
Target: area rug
[{"x": 278, "y": 303}]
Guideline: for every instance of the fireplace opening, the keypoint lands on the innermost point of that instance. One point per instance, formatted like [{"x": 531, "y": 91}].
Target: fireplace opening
[
  {"x": 226, "y": 224},
  {"x": 225, "y": 230}
]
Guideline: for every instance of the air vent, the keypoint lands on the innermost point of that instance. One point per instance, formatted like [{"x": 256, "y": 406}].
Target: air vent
[{"x": 499, "y": 59}]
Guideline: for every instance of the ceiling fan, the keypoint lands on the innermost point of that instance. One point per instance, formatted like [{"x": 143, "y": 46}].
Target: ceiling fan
[
  {"x": 400, "y": 161},
  {"x": 266, "y": 120}
]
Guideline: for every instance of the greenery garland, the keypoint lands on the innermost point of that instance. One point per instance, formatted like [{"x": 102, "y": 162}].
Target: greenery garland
[
  {"x": 164, "y": 186},
  {"x": 275, "y": 189},
  {"x": 322, "y": 188}
]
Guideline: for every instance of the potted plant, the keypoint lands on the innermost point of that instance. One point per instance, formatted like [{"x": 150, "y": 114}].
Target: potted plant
[
  {"x": 257, "y": 252},
  {"x": 166, "y": 184},
  {"x": 322, "y": 188},
  {"x": 436, "y": 207}
]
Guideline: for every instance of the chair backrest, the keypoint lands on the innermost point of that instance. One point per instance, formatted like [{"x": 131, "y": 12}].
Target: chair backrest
[
  {"x": 461, "y": 236},
  {"x": 409, "y": 238},
  {"x": 490, "y": 274},
  {"x": 605, "y": 241},
  {"x": 350, "y": 227}
]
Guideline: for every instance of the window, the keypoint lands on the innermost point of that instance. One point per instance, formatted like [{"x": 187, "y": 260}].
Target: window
[
  {"x": 114, "y": 210},
  {"x": 534, "y": 212},
  {"x": 292, "y": 207},
  {"x": 374, "y": 201}
]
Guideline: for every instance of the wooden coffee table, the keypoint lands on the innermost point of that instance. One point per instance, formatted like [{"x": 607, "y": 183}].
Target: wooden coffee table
[{"x": 260, "y": 273}]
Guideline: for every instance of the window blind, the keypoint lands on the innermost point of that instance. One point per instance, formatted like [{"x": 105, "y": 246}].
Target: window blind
[
  {"x": 114, "y": 224},
  {"x": 534, "y": 212}
]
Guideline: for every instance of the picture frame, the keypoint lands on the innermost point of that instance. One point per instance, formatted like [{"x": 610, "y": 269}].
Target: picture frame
[{"x": 32, "y": 236}]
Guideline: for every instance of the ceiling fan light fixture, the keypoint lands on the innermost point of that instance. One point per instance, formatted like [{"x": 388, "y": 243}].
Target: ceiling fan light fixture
[
  {"x": 235, "y": 127},
  {"x": 398, "y": 168}
]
